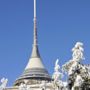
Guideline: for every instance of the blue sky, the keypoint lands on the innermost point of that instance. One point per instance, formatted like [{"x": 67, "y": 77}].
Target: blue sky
[{"x": 61, "y": 23}]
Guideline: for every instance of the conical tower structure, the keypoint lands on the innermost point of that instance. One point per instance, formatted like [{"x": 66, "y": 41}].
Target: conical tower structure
[{"x": 35, "y": 70}]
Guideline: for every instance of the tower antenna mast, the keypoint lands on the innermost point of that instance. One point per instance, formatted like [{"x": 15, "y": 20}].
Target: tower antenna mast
[
  {"x": 35, "y": 25},
  {"x": 34, "y": 8}
]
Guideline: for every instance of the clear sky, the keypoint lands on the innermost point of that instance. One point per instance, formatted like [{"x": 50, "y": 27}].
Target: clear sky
[{"x": 61, "y": 23}]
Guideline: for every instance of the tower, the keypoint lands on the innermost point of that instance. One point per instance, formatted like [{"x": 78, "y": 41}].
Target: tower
[{"x": 35, "y": 70}]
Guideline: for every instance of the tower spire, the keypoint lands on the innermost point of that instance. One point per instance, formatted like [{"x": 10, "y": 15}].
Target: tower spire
[{"x": 35, "y": 52}]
